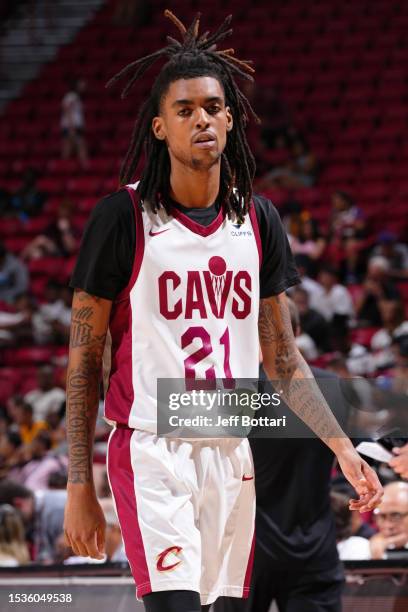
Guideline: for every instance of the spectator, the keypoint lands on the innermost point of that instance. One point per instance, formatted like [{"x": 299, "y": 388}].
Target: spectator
[
  {"x": 16, "y": 321},
  {"x": 299, "y": 172},
  {"x": 47, "y": 397},
  {"x": 309, "y": 241},
  {"x": 377, "y": 287},
  {"x": 394, "y": 325},
  {"x": 347, "y": 219},
  {"x": 313, "y": 288},
  {"x": 392, "y": 522},
  {"x": 73, "y": 123},
  {"x": 311, "y": 321},
  {"x": 42, "y": 513},
  {"x": 28, "y": 200},
  {"x": 350, "y": 547},
  {"x": 399, "y": 463},
  {"x": 10, "y": 442},
  {"x": 336, "y": 305},
  {"x": 41, "y": 463},
  {"x": 13, "y": 547},
  {"x": 13, "y": 276},
  {"x": 23, "y": 418},
  {"x": 60, "y": 239},
  {"x": 52, "y": 320},
  {"x": 394, "y": 252}
]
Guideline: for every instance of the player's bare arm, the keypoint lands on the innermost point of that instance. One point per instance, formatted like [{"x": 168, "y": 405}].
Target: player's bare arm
[
  {"x": 283, "y": 362},
  {"x": 84, "y": 524}
]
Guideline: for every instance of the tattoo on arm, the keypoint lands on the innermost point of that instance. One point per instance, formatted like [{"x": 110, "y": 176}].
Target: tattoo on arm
[
  {"x": 288, "y": 368},
  {"x": 83, "y": 380}
]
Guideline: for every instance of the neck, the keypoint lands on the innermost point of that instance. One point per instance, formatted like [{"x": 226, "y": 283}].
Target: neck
[{"x": 194, "y": 188}]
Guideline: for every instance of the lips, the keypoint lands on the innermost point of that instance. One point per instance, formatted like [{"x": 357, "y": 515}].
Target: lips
[{"x": 204, "y": 137}]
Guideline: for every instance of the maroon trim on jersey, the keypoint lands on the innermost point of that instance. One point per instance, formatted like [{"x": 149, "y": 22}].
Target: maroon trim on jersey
[
  {"x": 120, "y": 394},
  {"x": 140, "y": 244},
  {"x": 254, "y": 221},
  {"x": 195, "y": 227},
  {"x": 248, "y": 573},
  {"x": 121, "y": 478}
]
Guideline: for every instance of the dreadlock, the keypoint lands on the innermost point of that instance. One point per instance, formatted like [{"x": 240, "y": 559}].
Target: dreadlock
[{"x": 193, "y": 57}]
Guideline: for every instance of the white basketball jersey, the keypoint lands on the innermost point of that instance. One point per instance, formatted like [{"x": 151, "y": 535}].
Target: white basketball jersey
[{"x": 189, "y": 311}]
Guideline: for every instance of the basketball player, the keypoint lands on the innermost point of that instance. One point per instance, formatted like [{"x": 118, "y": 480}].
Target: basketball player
[{"x": 171, "y": 270}]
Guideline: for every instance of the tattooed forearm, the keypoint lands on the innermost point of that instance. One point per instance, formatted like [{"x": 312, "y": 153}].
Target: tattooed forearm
[
  {"x": 83, "y": 381},
  {"x": 285, "y": 365}
]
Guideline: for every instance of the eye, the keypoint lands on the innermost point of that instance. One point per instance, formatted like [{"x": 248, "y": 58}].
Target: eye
[
  {"x": 213, "y": 109},
  {"x": 184, "y": 112}
]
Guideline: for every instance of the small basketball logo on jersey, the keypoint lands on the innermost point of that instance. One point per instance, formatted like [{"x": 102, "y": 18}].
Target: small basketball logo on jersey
[
  {"x": 169, "y": 554},
  {"x": 218, "y": 269}
]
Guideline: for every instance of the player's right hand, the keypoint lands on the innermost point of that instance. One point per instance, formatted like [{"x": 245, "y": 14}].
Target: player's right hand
[{"x": 84, "y": 523}]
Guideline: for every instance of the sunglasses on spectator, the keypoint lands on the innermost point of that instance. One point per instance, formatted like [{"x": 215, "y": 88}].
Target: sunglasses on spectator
[{"x": 393, "y": 517}]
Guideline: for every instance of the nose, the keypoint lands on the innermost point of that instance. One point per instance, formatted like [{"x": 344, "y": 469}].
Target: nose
[{"x": 202, "y": 119}]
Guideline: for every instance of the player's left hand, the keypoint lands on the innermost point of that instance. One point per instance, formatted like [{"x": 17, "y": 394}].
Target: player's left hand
[{"x": 362, "y": 478}]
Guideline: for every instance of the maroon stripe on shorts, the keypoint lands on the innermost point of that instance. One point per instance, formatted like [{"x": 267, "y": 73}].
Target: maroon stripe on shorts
[
  {"x": 121, "y": 479},
  {"x": 248, "y": 573}
]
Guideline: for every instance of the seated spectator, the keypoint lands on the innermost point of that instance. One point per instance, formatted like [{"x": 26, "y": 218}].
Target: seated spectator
[
  {"x": 42, "y": 513},
  {"x": 391, "y": 518},
  {"x": 311, "y": 321},
  {"x": 396, "y": 253},
  {"x": 314, "y": 289},
  {"x": 13, "y": 276},
  {"x": 13, "y": 547},
  {"x": 377, "y": 287},
  {"x": 299, "y": 172},
  {"x": 349, "y": 547},
  {"x": 23, "y": 418},
  {"x": 28, "y": 200},
  {"x": 309, "y": 241},
  {"x": 336, "y": 306},
  {"x": 399, "y": 463},
  {"x": 47, "y": 397},
  {"x": 41, "y": 462},
  {"x": 51, "y": 322},
  {"x": 15, "y": 321},
  {"x": 347, "y": 220},
  {"x": 60, "y": 239},
  {"x": 10, "y": 443},
  {"x": 394, "y": 325}
]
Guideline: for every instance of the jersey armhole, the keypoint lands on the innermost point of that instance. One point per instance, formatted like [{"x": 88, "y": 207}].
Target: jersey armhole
[
  {"x": 255, "y": 226},
  {"x": 139, "y": 247}
]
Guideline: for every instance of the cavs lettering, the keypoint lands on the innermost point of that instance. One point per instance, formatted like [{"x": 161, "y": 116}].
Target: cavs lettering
[{"x": 205, "y": 293}]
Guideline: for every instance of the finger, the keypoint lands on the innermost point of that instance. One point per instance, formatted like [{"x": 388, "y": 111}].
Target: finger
[
  {"x": 372, "y": 478},
  {"x": 100, "y": 540},
  {"x": 91, "y": 547},
  {"x": 79, "y": 548}
]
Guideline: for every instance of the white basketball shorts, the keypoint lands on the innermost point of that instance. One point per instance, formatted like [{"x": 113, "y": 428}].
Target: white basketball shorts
[{"x": 186, "y": 510}]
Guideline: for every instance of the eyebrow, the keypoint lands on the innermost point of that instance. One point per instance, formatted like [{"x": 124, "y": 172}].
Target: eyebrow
[{"x": 184, "y": 101}]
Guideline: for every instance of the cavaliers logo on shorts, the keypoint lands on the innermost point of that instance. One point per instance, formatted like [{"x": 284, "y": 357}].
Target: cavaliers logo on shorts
[{"x": 167, "y": 556}]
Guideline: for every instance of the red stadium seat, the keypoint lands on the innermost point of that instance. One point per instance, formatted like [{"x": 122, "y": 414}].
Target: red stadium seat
[{"x": 32, "y": 355}]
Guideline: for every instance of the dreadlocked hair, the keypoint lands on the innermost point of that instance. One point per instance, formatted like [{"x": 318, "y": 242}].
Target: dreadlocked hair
[{"x": 193, "y": 57}]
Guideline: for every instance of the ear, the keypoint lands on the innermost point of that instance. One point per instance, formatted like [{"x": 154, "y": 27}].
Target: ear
[
  {"x": 158, "y": 128},
  {"x": 230, "y": 121}
]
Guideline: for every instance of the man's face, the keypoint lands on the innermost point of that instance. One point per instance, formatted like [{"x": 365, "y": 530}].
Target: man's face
[
  {"x": 194, "y": 110},
  {"x": 392, "y": 515}
]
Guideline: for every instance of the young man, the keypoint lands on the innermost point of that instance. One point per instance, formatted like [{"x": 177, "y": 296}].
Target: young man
[{"x": 172, "y": 269}]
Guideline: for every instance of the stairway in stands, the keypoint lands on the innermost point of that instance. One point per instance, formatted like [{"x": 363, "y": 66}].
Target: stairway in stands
[{"x": 34, "y": 36}]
